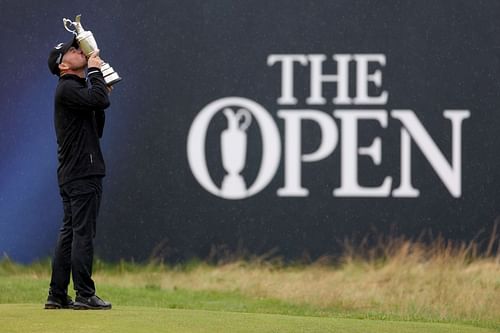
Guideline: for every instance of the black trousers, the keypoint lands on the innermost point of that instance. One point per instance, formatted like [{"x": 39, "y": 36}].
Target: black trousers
[{"x": 74, "y": 251}]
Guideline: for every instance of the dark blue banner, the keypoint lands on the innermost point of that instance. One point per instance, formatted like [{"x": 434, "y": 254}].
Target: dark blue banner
[{"x": 246, "y": 126}]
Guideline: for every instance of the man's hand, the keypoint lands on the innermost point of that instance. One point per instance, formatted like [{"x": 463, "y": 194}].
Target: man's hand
[{"x": 94, "y": 60}]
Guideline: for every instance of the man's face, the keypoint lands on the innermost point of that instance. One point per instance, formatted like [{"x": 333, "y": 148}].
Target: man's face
[{"x": 74, "y": 59}]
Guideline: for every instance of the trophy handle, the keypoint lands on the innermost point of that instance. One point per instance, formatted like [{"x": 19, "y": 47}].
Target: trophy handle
[
  {"x": 65, "y": 23},
  {"x": 247, "y": 118}
]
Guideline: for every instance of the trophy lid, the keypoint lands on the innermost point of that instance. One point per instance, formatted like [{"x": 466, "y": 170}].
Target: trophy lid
[{"x": 78, "y": 25}]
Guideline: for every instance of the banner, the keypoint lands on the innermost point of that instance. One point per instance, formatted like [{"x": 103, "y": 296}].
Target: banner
[{"x": 250, "y": 127}]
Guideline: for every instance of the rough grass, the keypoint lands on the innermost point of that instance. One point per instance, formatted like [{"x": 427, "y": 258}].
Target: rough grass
[
  {"x": 443, "y": 281},
  {"x": 398, "y": 280}
]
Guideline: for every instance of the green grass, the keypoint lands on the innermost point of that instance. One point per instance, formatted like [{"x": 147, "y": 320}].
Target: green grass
[
  {"x": 151, "y": 309},
  {"x": 31, "y": 318},
  {"x": 249, "y": 297},
  {"x": 29, "y": 290}
]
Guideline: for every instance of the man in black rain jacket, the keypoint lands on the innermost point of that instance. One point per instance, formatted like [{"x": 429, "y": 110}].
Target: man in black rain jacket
[{"x": 79, "y": 123}]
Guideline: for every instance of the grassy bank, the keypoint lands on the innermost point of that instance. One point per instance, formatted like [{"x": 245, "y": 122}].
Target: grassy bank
[{"x": 402, "y": 280}]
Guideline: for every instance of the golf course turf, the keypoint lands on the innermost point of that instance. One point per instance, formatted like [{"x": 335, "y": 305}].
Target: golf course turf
[{"x": 32, "y": 318}]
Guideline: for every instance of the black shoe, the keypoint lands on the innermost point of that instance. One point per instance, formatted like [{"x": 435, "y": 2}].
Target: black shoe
[
  {"x": 54, "y": 302},
  {"x": 90, "y": 303}
]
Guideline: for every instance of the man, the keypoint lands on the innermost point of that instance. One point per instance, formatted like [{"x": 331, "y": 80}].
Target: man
[{"x": 79, "y": 123}]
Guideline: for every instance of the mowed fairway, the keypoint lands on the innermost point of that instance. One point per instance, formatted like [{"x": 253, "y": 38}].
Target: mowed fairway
[{"x": 23, "y": 318}]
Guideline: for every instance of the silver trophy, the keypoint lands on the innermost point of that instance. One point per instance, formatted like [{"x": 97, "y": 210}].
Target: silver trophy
[{"x": 88, "y": 45}]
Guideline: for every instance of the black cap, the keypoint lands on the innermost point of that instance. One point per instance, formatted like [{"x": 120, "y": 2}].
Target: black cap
[{"x": 55, "y": 56}]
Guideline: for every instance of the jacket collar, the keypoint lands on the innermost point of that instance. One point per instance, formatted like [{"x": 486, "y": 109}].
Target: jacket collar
[{"x": 72, "y": 77}]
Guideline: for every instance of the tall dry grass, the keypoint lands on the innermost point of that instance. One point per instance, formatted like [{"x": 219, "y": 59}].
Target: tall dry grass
[{"x": 404, "y": 278}]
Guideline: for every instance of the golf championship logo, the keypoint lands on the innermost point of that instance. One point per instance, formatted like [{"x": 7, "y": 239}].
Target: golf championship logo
[
  {"x": 234, "y": 147},
  {"x": 339, "y": 125}
]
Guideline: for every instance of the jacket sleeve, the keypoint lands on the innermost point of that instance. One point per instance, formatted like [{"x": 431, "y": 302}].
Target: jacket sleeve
[{"x": 88, "y": 99}]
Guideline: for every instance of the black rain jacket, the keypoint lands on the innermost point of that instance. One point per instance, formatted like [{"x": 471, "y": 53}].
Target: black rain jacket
[{"x": 79, "y": 123}]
